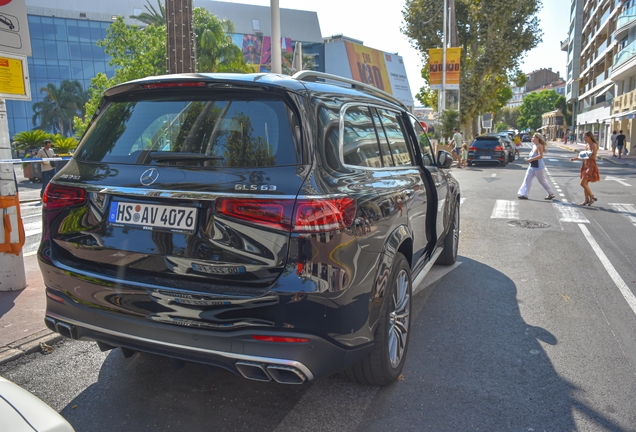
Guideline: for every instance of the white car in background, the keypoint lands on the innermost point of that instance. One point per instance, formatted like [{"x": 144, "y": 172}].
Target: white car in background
[{"x": 21, "y": 411}]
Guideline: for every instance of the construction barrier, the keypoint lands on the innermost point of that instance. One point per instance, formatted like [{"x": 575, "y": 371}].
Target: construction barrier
[{"x": 12, "y": 221}]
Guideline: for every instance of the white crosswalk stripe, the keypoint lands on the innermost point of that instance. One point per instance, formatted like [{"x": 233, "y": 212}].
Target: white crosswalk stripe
[
  {"x": 627, "y": 210},
  {"x": 505, "y": 209},
  {"x": 569, "y": 213}
]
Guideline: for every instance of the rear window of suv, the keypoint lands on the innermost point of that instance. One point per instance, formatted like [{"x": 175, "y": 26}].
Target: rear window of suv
[
  {"x": 194, "y": 131},
  {"x": 486, "y": 143}
]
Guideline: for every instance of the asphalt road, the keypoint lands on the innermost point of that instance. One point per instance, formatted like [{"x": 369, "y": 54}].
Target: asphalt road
[{"x": 533, "y": 331}]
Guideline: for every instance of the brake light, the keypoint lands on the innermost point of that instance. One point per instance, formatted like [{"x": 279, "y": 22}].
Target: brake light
[
  {"x": 279, "y": 339},
  {"x": 56, "y": 196},
  {"x": 499, "y": 148},
  {"x": 309, "y": 215},
  {"x": 472, "y": 149},
  {"x": 174, "y": 84},
  {"x": 324, "y": 214}
]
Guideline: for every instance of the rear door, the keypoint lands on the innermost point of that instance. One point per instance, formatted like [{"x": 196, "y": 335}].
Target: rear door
[{"x": 184, "y": 189}]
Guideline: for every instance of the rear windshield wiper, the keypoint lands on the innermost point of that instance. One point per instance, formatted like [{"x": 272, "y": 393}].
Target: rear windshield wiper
[{"x": 178, "y": 156}]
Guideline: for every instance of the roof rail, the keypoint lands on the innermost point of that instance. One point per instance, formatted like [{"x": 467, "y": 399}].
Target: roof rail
[{"x": 313, "y": 76}]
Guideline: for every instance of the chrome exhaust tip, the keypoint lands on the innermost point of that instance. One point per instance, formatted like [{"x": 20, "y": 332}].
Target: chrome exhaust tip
[
  {"x": 253, "y": 371},
  {"x": 286, "y": 374},
  {"x": 66, "y": 330}
]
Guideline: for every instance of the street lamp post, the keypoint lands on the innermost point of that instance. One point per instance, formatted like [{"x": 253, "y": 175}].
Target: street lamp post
[{"x": 276, "y": 48}]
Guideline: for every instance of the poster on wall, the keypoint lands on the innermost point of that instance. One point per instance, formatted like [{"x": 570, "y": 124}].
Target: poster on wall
[
  {"x": 252, "y": 51},
  {"x": 367, "y": 66}
]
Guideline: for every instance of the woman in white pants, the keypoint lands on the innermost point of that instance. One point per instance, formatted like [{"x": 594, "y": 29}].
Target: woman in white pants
[{"x": 535, "y": 169}]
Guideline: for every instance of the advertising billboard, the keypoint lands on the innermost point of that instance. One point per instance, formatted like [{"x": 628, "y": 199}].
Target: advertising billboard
[{"x": 380, "y": 69}]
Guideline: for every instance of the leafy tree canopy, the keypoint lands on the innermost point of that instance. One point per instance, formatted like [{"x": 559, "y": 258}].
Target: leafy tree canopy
[
  {"x": 493, "y": 35},
  {"x": 534, "y": 106},
  {"x": 138, "y": 52}
]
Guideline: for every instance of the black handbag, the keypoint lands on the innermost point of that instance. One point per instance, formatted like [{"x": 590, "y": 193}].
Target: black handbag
[{"x": 534, "y": 164}]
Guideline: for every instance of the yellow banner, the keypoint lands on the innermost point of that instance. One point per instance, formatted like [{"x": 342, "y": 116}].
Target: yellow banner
[
  {"x": 367, "y": 66},
  {"x": 11, "y": 77},
  {"x": 435, "y": 62},
  {"x": 435, "y": 56}
]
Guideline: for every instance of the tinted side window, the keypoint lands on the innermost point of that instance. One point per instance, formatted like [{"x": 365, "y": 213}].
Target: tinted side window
[
  {"x": 425, "y": 144},
  {"x": 234, "y": 133},
  {"x": 360, "y": 142},
  {"x": 396, "y": 137}
]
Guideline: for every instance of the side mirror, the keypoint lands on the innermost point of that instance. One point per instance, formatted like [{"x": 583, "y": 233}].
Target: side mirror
[{"x": 444, "y": 159}]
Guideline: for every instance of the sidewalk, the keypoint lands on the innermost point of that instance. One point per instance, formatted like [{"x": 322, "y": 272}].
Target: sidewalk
[
  {"x": 606, "y": 155},
  {"x": 22, "y": 328}
]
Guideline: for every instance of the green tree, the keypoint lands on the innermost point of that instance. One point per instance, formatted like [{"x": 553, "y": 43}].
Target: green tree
[
  {"x": 534, "y": 106},
  {"x": 288, "y": 59},
  {"x": 64, "y": 145},
  {"x": 138, "y": 52},
  {"x": 215, "y": 51},
  {"x": 510, "y": 115},
  {"x": 449, "y": 120},
  {"x": 493, "y": 36},
  {"x": 153, "y": 16},
  {"x": 28, "y": 140},
  {"x": 565, "y": 108},
  {"x": 60, "y": 105}
]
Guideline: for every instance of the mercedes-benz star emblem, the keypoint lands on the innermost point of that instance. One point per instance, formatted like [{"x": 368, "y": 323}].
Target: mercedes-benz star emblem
[{"x": 149, "y": 176}]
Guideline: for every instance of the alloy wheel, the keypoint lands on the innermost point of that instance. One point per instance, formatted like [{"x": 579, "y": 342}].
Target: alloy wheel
[{"x": 399, "y": 319}]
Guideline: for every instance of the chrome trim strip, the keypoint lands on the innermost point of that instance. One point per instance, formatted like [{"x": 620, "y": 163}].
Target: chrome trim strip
[
  {"x": 420, "y": 277},
  {"x": 232, "y": 356},
  {"x": 181, "y": 195}
]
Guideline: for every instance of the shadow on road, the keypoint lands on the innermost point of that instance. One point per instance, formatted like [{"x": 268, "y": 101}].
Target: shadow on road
[{"x": 475, "y": 364}]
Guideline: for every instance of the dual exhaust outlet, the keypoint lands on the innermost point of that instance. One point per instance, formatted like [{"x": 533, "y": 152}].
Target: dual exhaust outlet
[
  {"x": 270, "y": 372},
  {"x": 282, "y": 374}
]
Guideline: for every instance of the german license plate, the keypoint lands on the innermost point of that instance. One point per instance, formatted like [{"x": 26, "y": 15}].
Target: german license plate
[
  {"x": 152, "y": 216},
  {"x": 218, "y": 270},
  {"x": 485, "y": 157}
]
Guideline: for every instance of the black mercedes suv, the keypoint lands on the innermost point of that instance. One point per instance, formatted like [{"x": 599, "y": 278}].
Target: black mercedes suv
[{"x": 271, "y": 225}]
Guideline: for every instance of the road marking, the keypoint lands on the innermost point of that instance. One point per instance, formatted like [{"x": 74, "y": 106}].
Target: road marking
[
  {"x": 493, "y": 175},
  {"x": 462, "y": 201},
  {"x": 553, "y": 160},
  {"x": 505, "y": 209},
  {"x": 620, "y": 283},
  {"x": 569, "y": 213},
  {"x": 627, "y": 210},
  {"x": 616, "y": 179}
]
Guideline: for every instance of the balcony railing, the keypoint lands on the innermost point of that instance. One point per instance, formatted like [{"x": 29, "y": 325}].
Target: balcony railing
[
  {"x": 625, "y": 54},
  {"x": 626, "y": 17}
]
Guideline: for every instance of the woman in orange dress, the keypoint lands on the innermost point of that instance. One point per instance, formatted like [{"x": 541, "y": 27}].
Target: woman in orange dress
[{"x": 589, "y": 169}]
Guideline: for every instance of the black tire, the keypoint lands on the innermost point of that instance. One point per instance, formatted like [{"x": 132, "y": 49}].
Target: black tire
[
  {"x": 512, "y": 157},
  {"x": 384, "y": 363},
  {"x": 451, "y": 241}
]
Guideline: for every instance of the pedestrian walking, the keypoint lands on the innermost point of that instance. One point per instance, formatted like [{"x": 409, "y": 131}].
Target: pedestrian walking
[
  {"x": 48, "y": 167},
  {"x": 535, "y": 169},
  {"x": 614, "y": 135},
  {"x": 457, "y": 146},
  {"x": 517, "y": 145},
  {"x": 620, "y": 142},
  {"x": 589, "y": 169}
]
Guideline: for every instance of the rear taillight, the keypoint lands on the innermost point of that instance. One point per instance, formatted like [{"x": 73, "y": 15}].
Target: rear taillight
[
  {"x": 303, "y": 215},
  {"x": 57, "y": 196},
  {"x": 472, "y": 149},
  {"x": 499, "y": 148}
]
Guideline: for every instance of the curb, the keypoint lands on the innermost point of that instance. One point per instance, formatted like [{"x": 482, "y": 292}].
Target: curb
[{"x": 28, "y": 345}]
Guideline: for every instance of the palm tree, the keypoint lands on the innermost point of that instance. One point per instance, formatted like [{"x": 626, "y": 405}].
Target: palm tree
[
  {"x": 152, "y": 17},
  {"x": 28, "y": 140},
  {"x": 60, "y": 105},
  {"x": 215, "y": 50}
]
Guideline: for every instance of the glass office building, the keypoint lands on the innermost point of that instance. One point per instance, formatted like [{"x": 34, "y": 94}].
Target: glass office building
[{"x": 63, "y": 49}]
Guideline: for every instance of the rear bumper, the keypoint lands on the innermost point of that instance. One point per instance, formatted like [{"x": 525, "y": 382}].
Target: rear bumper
[{"x": 308, "y": 361}]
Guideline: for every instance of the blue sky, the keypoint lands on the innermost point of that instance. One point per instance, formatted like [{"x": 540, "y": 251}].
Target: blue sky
[{"x": 378, "y": 26}]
